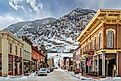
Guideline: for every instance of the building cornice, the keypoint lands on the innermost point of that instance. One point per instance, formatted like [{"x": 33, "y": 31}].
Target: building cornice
[
  {"x": 108, "y": 16},
  {"x": 8, "y": 34}
]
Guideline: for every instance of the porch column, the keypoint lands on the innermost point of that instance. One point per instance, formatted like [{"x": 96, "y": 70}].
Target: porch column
[
  {"x": 22, "y": 60},
  {"x": 117, "y": 62},
  {"x": 103, "y": 63},
  {"x": 18, "y": 66},
  {"x": 13, "y": 66},
  {"x": 93, "y": 68},
  {"x": 4, "y": 50},
  {"x": 97, "y": 64}
]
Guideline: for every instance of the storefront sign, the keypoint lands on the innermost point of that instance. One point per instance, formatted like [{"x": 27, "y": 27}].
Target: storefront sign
[{"x": 17, "y": 59}]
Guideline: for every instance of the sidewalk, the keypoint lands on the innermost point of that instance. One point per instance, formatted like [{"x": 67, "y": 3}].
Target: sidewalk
[
  {"x": 78, "y": 76},
  {"x": 90, "y": 76},
  {"x": 93, "y": 78}
]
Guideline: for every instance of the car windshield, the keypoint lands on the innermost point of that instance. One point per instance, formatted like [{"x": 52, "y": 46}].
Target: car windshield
[{"x": 43, "y": 69}]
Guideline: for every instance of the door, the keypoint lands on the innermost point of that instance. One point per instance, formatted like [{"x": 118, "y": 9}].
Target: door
[
  {"x": 16, "y": 69},
  {"x": 110, "y": 66}
]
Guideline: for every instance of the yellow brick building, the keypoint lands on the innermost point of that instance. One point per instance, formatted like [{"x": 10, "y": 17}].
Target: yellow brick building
[{"x": 11, "y": 54}]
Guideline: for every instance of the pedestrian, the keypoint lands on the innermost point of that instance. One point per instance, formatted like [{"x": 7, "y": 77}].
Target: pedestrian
[{"x": 114, "y": 70}]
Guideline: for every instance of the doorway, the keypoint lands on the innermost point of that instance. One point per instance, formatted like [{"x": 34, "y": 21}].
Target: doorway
[
  {"x": 16, "y": 69},
  {"x": 100, "y": 67},
  {"x": 111, "y": 62}
]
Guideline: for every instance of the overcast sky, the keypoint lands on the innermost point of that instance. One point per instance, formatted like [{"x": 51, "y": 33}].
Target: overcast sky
[{"x": 12, "y": 11}]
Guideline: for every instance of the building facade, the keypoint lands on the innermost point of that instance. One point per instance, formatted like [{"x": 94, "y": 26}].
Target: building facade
[
  {"x": 37, "y": 58},
  {"x": 27, "y": 54},
  {"x": 76, "y": 59},
  {"x": 11, "y": 54},
  {"x": 100, "y": 43}
]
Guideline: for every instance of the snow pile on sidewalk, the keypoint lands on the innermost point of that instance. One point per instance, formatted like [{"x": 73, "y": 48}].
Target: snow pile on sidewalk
[
  {"x": 117, "y": 79},
  {"x": 31, "y": 77},
  {"x": 106, "y": 79},
  {"x": 110, "y": 79}
]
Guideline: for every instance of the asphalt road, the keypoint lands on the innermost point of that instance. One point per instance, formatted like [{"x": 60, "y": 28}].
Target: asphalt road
[{"x": 57, "y": 76}]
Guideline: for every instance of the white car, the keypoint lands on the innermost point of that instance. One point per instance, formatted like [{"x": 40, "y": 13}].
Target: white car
[{"x": 42, "y": 71}]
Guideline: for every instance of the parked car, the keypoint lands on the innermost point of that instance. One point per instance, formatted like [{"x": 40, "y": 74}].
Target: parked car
[
  {"x": 48, "y": 70},
  {"x": 51, "y": 69},
  {"x": 42, "y": 71}
]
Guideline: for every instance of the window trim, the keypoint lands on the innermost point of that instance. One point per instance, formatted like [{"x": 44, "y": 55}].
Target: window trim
[
  {"x": 16, "y": 50},
  {"x": 10, "y": 47},
  {"x": 113, "y": 43},
  {"x": 100, "y": 40}
]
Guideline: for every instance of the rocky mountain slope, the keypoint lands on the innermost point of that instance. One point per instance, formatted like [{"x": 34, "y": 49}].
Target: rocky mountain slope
[{"x": 56, "y": 34}]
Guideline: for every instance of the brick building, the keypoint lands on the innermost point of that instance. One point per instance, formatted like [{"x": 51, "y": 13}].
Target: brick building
[
  {"x": 11, "y": 54},
  {"x": 38, "y": 58},
  {"x": 101, "y": 43}
]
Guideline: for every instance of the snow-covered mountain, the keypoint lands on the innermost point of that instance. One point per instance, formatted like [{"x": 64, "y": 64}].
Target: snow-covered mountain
[{"x": 56, "y": 34}]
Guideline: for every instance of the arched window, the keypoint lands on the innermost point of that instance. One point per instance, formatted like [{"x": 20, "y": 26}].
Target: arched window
[
  {"x": 110, "y": 39},
  {"x": 100, "y": 40}
]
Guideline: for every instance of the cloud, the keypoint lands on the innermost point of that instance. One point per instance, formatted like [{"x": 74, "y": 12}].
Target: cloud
[
  {"x": 98, "y": 4},
  {"x": 8, "y": 20},
  {"x": 29, "y": 9}
]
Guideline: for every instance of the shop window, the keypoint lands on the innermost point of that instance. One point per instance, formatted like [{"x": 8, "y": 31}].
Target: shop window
[{"x": 110, "y": 39}]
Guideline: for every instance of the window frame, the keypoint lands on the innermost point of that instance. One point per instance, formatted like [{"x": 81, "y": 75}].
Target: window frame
[
  {"x": 10, "y": 48},
  {"x": 110, "y": 33},
  {"x": 16, "y": 51}
]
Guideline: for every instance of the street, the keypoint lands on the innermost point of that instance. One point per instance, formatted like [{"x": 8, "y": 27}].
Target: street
[{"x": 57, "y": 75}]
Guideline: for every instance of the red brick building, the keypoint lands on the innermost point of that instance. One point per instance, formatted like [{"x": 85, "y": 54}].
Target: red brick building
[
  {"x": 37, "y": 57},
  {"x": 101, "y": 43}
]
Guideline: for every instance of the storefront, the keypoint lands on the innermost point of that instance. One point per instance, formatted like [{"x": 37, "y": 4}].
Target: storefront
[
  {"x": 17, "y": 65},
  {"x": 27, "y": 66},
  {"x": 34, "y": 65},
  {"x": 10, "y": 64},
  {"x": 103, "y": 63}
]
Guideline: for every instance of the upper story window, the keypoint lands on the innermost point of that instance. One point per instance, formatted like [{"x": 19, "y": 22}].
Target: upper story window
[
  {"x": 10, "y": 48},
  {"x": 91, "y": 44},
  {"x": 100, "y": 40},
  {"x": 95, "y": 43},
  {"x": 20, "y": 51},
  {"x": 16, "y": 50},
  {"x": 110, "y": 39}
]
